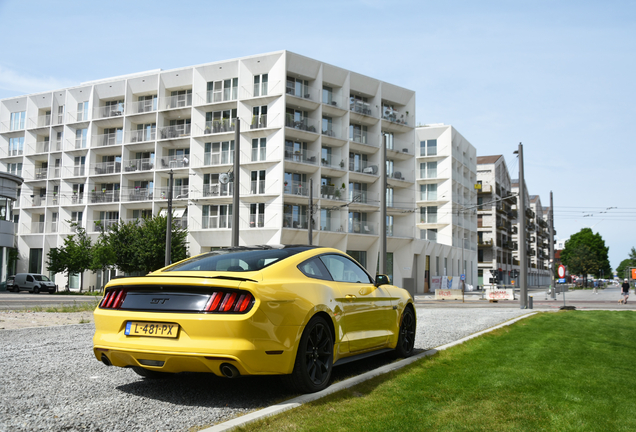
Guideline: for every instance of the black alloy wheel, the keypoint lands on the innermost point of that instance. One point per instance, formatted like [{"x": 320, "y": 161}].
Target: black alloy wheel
[
  {"x": 406, "y": 339},
  {"x": 36, "y": 290},
  {"x": 314, "y": 359}
]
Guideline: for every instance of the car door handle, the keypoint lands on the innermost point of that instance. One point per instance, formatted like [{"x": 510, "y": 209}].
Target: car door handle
[{"x": 350, "y": 296}]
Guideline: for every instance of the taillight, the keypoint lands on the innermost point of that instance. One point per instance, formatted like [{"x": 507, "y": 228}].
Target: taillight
[
  {"x": 229, "y": 301},
  {"x": 113, "y": 299}
]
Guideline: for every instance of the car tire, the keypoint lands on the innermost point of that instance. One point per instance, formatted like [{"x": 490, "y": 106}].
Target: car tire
[
  {"x": 16, "y": 289},
  {"x": 314, "y": 358},
  {"x": 36, "y": 290},
  {"x": 406, "y": 338},
  {"x": 149, "y": 374}
]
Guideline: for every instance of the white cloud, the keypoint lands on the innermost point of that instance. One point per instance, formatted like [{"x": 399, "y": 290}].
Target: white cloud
[{"x": 17, "y": 82}]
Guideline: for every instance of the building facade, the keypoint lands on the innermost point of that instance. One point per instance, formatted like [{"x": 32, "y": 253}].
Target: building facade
[{"x": 102, "y": 152}]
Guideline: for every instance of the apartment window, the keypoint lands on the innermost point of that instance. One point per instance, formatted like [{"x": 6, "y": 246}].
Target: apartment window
[
  {"x": 327, "y": 126},
  {"x": 296, "y": 119},
  {"x": 54, "y": 218},
  {"x": 259, "y": 117},
  {"x": 146, "y": 103},
  {"x": 327, "y": 95},
  {"x": 428, "y": 148},
  {"x": 257, "y": 215},
  {"x": 81, "y": 136},
  {"x": 428, "y": 214},
  {"x": 294, "y": 216},
  {"x": 145, "y": 132},
  {"x": 82, "y": 111},
  {"x": 220, "y": 121},
  {"x": 389, "y": 226},
  {"x": 259, "y": 149},
  {"x": 296, "y": 183},
  {"x": 223, "y": 90},
  {"x": 327, "y": 223},
  {"x": 79, "y": 165},
  {"x": 179, "y": 128},
  {"x": 359, "y": 104},
  {"x": 360, "y": 256},
  {"x": 258, "y": 182},
  {"x": 217, "y": 216},
  {"x": 390, "y": 140},
  {"x": 60, "y": 114},
  {"x": 358, "y": 133},
  {"x": 358, "y": 223},
  {"x": 389, "y": 197},
  {"x": 16, "y": 146},
  {"x": 358, "y": 192},
  {"x": 389, "y": 167},
  {"x": 428, "y": 234},
  {"x": 358, "y": 163},
  {"x": 428, "y": 170},
  {"x": 112, "y": 136},
  {"x": 35, "y": 261},
  {"x": 298, "y": 87},
  {"x": 181, "y": 98},
  {"x": 76, "y": 217},
  {"x": 142, "y": 214},
  {"x": 295, "y": 150},
  {"x": 260, "y": 85},
  {"x": 113, "y": 108},
  {"x": 17, "y": 120},
  {"x": 218, "y": 153},
  {"x": 428, "y": 192},
  {"x": 58, "y": 141},
  {"x": 15, "y": 168}
]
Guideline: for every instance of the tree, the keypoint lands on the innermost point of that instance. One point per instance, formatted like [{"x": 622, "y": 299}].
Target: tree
[
  {"x": 140, "y": 245},
  {"x": 585, "y": 253},
  {"x": 626, "y": 263},
  {"x": 75, "y": 256},
  {"x": 103, "y": 254}
]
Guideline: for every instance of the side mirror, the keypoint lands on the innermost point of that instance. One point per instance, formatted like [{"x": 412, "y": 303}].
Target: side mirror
[{"x": 382, "y": 280}]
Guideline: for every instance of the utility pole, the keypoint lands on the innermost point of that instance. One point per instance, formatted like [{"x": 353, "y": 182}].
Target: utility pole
[
  {"x": 236, "y": 181},
  {"x": 311, "y": 211},
  {"x": 552, "y": 261},
  {"x": 523, "y": 264},
  {"x": 382, "y": 269},
  {"x": 169, "y": 223}
]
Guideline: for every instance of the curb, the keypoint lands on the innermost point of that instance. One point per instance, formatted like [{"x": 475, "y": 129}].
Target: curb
[{"x": 298, "y": 401}]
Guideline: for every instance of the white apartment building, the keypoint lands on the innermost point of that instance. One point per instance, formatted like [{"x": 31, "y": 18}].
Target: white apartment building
[
  {"x": 103, "y": 151},
  {"x": 496, "y": 222},
  {"x": 446, "y": 166}
]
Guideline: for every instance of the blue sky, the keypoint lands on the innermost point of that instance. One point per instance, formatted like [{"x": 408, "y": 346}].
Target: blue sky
[{"x": 555, "y": 75}]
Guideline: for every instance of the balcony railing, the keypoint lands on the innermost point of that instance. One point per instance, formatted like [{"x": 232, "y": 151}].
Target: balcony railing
[
  {"x": 361, "y": 137},
  {"x": 303, "y": 124},
  {"x": 359, "y": 227},
  {"x": 257, "y": 187},
  {"x": 296, "y": 188},
  {"x": 295, "y": 222},
  {"x": 216, "y": 222},
  {"x": 257, "y": 220},
  {"x": 132, "y": 194},
  {"x": 143, "y": 106},
  {"x": 40, "y": 121},
  {"x": 179, "y": 101},
  {"x": 76, "y": 143},
  {"x": 303, "y": 91},
  {"x": 37, "y": 201},
  {"x": 259, "y": 122},
  {"x": 104, "y": 224},
  {"x": 75, "y": 198},
  {"x": 42, "y": 146},
  {"x": 360, "y": 107},
  {"x": 106, "y": 168},
  {"x": 399, "y": 230},
  {"x": 219, "y": 126},
  {"x": 218, "y": 189},
  {"x": 394, "y": 116},
  {"x": 143, "y": 164},
  {"x": 37, "y": 227},
  {"x": 171, "y": 162},
  {"x": 332, "y": 99},
  {"x": 332, "y": 192},
  {"x": 145, "y": 135},
  {"x": 107, "y": 139},
  {"x": 401, "y": 175},
  {"x": 53, "y": 200},
  {"x": 363, "y": 167},
  {"x": 334, "y": 161},
  {"x": 15, "y": 152},
  {"x": 178, "y": 192},
  {"x": 41, "y": 173},
  {"x": 104, "y": 196},
  {"x": 331, "y": 132},
  {"x": 301, "y": 156},
  {"x": 175, "y": 131},
  {"x": 110, "y": 111},
  {"x": 363, "y": 197},
  {"x": 261, "y": 89},
  {"x": 331, "y": 224},
  {"x": 77, "y": 170}
]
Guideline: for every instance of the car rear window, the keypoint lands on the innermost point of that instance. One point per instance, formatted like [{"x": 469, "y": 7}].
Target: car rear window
[{"x": 231, "y": 260}]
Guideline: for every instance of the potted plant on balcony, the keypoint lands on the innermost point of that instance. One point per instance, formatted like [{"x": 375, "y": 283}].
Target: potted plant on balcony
[
  {"x": 336, "y": 194},
  {"x": 342, "y": 163}
]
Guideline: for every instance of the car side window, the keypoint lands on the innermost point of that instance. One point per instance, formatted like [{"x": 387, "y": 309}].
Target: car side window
[
  {"x": 343, "y": 269},
  {"x": 29, "y": 279},
  {"x": 314, "y": 268}
]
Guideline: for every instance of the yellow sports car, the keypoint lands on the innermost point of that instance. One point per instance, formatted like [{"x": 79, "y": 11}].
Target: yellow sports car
[{"x": 295, "y": 311}]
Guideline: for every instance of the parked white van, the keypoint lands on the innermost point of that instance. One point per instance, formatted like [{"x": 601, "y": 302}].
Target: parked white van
[{"x": 33, "y": 282}]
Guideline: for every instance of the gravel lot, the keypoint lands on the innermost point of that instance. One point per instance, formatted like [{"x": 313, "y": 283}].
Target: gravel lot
[{"x": 50, "y": 380}]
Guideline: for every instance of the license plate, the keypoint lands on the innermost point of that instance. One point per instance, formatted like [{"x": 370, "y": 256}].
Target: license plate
[{"x": 152, "y": 329}]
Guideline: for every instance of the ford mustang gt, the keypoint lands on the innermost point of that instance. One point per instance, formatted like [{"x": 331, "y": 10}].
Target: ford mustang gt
[{"x": 295, "y": 311}]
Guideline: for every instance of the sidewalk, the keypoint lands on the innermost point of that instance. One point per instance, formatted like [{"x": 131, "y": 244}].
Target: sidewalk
[{"x": 604, "y": 299}]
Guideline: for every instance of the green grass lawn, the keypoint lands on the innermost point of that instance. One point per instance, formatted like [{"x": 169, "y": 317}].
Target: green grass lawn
[{"x": 566, "y": 371}]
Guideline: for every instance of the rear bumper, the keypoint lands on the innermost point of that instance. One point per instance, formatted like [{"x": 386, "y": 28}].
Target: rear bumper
[{"x": 205, "y": 341}]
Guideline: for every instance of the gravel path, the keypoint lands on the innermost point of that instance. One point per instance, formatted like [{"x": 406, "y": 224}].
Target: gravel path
[{"x": 50, "y": 381}]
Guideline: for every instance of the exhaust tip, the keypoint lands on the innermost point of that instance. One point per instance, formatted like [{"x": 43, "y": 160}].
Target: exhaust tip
[
  {"x": 229, "y": 371},
  {"x": 105, "y": 360}
]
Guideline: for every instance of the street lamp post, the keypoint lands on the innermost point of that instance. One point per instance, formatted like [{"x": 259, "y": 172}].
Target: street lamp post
[
  {"x": 523, "y": 264},
  {"x": 169, "y": 223}
]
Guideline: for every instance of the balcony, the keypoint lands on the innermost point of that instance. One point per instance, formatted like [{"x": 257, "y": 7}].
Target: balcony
[
  {"x": 294, "y": 221},
  {"x": 394, "y": 116},
  {"x": 104, "y": 224},
  {"x": 106, "y": 168},
  {"x": 301, "y": 156},
  {"x": 104, "y": 196},
  {"x": 218, "y": 190},
  {"x": 219, "y": 126},
  {"x": 114, "y": 110},
  {"x": 296, "y": 89},
  {"x": 143, "y": 106},
  {"x": 175, "y": 131},
  {"x": 76, "y": 144},
  {"x": 179, "y": 101},
  {"x": 363, "y": 167},
  {"x": 485, "y": 243},
  {"x": 178, "y": 192},
  {"x": 331, "y": 224},
  {"x": 144, "y": 164},
  {"x": 40, "y": 173},
  {"x": 134, "y": 194},
  {"x": 139, "y": 136},
  {"x": 108, "y": 139},
  {"x": 399, "y": 230},
  {"x": 359, "y": 227},
  {"x": 37, "y": 227},
  {"x": 332, "y": 192},
  {"x": 259, "y": 122},
  {"x": 173, "y": 162},
  {"x": 296, "y": 188},
  {"x": 334, "y": 161},
  {"x": 257, "y": 220},
  {"x": 363, "y": 197},
  {"x": 257, "y": 187},
  {"x": 303, "y": 124},
  {"x": 216, "y": 222},
  {"x": 360, "y": 107},
  {"x": 40, "y": 121}
]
